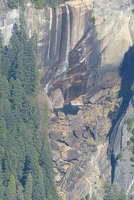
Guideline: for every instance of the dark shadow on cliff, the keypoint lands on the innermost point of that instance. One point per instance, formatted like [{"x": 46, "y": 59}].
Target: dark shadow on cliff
[{"x": 127, "y": 78}]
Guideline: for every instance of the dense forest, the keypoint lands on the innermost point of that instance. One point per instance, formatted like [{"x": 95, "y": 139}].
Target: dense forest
[{"x": 26, "y": 171}]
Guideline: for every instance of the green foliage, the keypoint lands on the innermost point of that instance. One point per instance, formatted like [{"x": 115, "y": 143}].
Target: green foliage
[
  {"x": 93, "y": 197},
  {"x": 108, "y": 155},
  {"x": 28, "y": 187},
  {"x": 128, "y": 142},
  {"x": 13, "y": 4},
  {"x": 112, "y": 193},
  {"x": 130, "y": 123},
  {"x": 45, "y": 114},
  {"x": 94, "y": 149},
  {"x": 92, "y": 20},
  {"x": 26, "y": 170},
  {"x": 132, "y": 139},
  {"x": 132, "y": 158},
  {"x": 82, "y": 198},
  {"x": 132, "y": 150},
  {"x": 119, "y": 157},
  {"x": 19, "y": 193},
  {"x": 100, "y": 176},
  {"x": 39, "y": 4},
  {"x": 87, "y": 197},
  {"x": 12, "y": 186}
]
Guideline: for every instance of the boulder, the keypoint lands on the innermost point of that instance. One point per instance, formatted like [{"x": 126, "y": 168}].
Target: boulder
[
  {"x": 43, "y": 98},
  {"x": 77, "y": 132},
  {"x": 71, "y": 140},
  {"x": 72, "y": 154},
  {"x": 61, "y": 115},
  {"x": 55, "y": 156},
  {"x": 53, "y": 117},
  {"x": 54, "y": 146},
  {"x": 57, "y": 177},
  {"x": 76, "y": 103},
  {"x": 70, "y": 186},
  {"x": 55, "y": 135},
  {"x": 85, "y": 163},
  {"x": 98, "y": 95},
  {"x": 57, "y": 99},
  {"x": 85, "y": 135},
  {"x": 70, "y": 174}
]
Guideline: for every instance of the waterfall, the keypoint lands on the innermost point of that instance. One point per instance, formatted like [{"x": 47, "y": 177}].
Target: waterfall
[
  {"x": 50, "y": 27},
  {"x": 46, "y": 87},
  {"x": 64, "y": 65},
  {"x": 68, "y": 46},
  {"x": 68, "y": 37}
]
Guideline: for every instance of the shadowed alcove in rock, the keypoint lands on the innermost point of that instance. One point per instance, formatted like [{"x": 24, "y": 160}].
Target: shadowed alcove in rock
[{"x": 126, "y": 72}]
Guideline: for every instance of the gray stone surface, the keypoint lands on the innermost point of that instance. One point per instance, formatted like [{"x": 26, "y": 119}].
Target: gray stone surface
[
  {"x": 53, "y": 118},
  {"x": 124, "y": 171},
  {"x": 55, "y": 135},
  {"x": 61, "y": 115},
  {"x": 55, "y": 156},
  {"x": 57, "y": 98},
  {"x": 98, "y": 95},
  {"x": 77, "y": 132},
  {"x": 70, "y": 174},
  {"x": 71, "y": 140},
  {"x": 85, "y": 135},
  {"x": 54, "y": 145},
  {"x": 72, "y": 154}
]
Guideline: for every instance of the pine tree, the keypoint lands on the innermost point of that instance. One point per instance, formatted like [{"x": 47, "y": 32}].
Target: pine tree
[
  {"x": 11, "y": 189},
  {"x": 29, "y": 187},
  {"x": 19, "y": 193}
]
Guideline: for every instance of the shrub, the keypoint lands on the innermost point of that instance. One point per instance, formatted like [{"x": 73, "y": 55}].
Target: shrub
[
  {"x": 119, "y": 157},
  {"x": 133, "y": 131},
  {"x": 100, "y": 177},
  {"x": 130, "y": 123},
  {"x": 92, "y": 20},
  {"x": 87, "y": 197},
  {"x": 132, "y": 158},
  {"x": 132, "y": 139},
  {"x": 108, "y": 155},
  {"x": 132, "y": 150},
  {"x": 112, "y": 193},
  {"x": 128, "y": 142},
  {"x": 94, "y": 149}
]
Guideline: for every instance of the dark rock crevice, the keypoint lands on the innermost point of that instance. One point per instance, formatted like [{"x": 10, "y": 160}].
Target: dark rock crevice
[
  {"x": 127, "y": 79},
  {"x": 113, "y": 165}
]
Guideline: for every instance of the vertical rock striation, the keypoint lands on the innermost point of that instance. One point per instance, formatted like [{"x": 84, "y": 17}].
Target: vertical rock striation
[{"x": 81, "y": 61}]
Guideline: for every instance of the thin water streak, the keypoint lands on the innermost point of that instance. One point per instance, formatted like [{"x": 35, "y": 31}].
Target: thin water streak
[
  {"x": 68, "y": 37},
  {"x": 50, "y": 27},
  {"x": 68, "y": 47}
]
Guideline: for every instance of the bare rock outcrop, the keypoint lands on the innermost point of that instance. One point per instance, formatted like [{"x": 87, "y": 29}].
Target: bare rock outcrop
[
  {"x": 122, "y": 148},
  {"x": 57, "y": 99},
  {"x": 81, "y": 164}
]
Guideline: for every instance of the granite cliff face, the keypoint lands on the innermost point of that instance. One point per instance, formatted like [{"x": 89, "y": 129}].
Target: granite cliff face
[
  {"x": 75, "y": 55},
  {"x": 122, "y": 151},
  {"x": 79, "y": 62}
]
